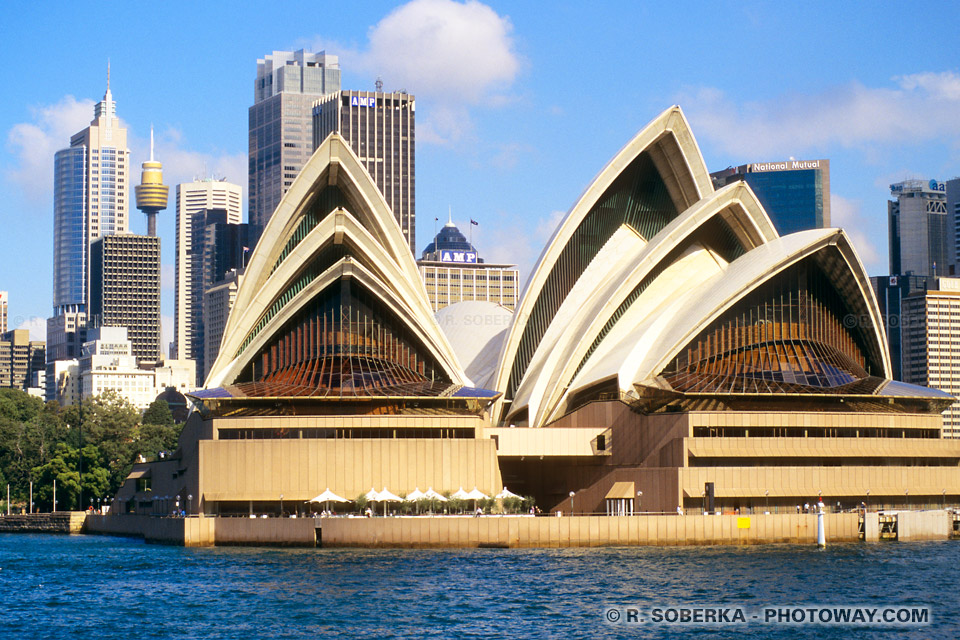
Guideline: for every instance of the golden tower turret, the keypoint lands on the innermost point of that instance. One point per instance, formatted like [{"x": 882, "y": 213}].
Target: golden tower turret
[{"x": 151, "y": 192}]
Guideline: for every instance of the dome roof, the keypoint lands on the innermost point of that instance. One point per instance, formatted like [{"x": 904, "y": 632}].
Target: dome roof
[
  {"x": 475, "y": 330},
  {"x": 450, "y": 238}
]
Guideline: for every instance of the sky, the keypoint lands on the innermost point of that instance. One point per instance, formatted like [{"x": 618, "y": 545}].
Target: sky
[{"x": 519, "y": 105}]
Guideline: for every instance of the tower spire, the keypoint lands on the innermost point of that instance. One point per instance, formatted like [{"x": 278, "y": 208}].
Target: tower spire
[
  {"x": 108, "y": 75},
  {"x": 151, "y": 142},
  {"x": 449, "y": 214}
]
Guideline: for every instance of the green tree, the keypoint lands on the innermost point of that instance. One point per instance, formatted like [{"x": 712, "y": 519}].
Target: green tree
[
  {"x": 63, "y": 467},
  {"x": 29, "y": 433},
  {"x": 110, "y": 423},
  {"x": 158, "y": 431}
]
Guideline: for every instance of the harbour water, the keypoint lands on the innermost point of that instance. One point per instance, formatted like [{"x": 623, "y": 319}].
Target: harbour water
[{"x": 103, "y": 587}]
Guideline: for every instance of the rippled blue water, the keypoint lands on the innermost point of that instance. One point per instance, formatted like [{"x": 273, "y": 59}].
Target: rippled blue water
[{"x": 100, "y": 587}]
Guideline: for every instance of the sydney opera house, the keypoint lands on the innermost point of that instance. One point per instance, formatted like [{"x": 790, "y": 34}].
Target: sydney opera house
[{"x": 670, "y": 350}]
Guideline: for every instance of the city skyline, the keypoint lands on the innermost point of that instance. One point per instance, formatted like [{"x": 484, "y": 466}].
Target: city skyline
[{"x": 880, "y": 102}]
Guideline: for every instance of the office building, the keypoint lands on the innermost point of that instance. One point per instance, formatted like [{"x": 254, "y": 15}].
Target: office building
[
  {"x": 381, "y": 130},
  {"x": 952, "y": 191},
  {"x": 218, "y": 299},
  {"x": 224, "y": 250},
  {"x": 709, "y": 352},
  {"x": 125, "y": 290},
  {"x": 91, "y": 191},
  {"x": 931, "y": 343},
  {"x": 108, "y": 364},
  {"x": 280, "y": 126},
  {"x": 193, "y": 199},
  {"x": 63, "y": 381},
  {"x": 151, "y": 193},
  {"x": 452, "y": 272},
  {"x": 918, "y": 228},
  {"x": 66, "y": 334},
  {"x": 890, "y": 292},
  {"x": 794, "y": 193},
  {"x": 4, "y": 300},
  {"x": 20, "y": 359}
]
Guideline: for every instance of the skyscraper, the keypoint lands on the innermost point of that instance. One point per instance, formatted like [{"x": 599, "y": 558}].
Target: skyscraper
[
  {"x": 223, "y": 248},
  {"x": 287, "y": 85},
  {"x": 381, "y": 128},
  {"x": 795, "y": 193},
  {"x": 952, "y": 191},
  {"x": 90, "y": 199},
  {"x": 917, "y": 224},
  {"x": 20, "y": 358},
  {"x": 3, "y": 311},
  {"x": 125, "y": 290},
  {"x": 931, "y": 343},
  {"x": 195, "y": 198},
  {"x": 891, "y": 291}
]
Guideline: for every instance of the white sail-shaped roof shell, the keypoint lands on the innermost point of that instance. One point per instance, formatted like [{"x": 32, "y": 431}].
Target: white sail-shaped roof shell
[
  {"x": 379, "y": 258},
  {"x": 674, "y": 152},
  {"x": 640, "y": 300}
]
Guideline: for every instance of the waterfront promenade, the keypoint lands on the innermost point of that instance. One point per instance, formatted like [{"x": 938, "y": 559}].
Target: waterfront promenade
[{"x": 528, "y": 531}]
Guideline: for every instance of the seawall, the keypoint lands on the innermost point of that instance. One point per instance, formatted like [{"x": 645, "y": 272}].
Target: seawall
[
  {"x": 58, "y": 522},
  {"x": 520, "y": 531}
]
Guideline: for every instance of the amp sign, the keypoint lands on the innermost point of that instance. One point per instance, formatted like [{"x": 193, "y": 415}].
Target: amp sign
[
  {"x": 357, "y": 101},
  {"x": 459, "y": 257}
]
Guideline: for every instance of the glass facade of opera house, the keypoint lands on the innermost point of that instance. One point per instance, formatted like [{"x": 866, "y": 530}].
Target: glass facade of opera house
[{"x": 670, "y": 344}]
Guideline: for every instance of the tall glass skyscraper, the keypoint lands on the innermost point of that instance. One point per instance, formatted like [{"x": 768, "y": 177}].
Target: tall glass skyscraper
[
  {"x": 795, "y": 193},
  {"x": 90, "y": 200},
  {"x": 280, "y": 123}
]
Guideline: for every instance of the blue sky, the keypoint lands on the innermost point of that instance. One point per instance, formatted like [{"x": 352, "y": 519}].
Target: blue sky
[{"x": 519, "y": 105}]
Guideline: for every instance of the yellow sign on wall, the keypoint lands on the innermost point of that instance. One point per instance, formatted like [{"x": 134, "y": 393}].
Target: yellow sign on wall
[{"x": 743, "y": 523}]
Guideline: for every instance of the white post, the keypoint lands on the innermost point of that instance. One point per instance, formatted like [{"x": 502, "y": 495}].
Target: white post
[
  {"x": 821, "y": 535},
  {"x": 54, "y": 494},
  {"x": 31, "y": 497}
]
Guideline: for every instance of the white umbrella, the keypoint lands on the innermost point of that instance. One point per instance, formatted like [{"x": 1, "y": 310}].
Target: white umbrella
[
  {"x": 506, "y": 493},
  {"x": 430, "y": 493},
  {"x": 476, "y": 494},
  {"x": 460, "y": 494},
  {"x": 328, "y": 496},
  {"x": 415, "y": 495},
  {"x": 372, "y": 495},
  {"x": 385, "y": 496}
]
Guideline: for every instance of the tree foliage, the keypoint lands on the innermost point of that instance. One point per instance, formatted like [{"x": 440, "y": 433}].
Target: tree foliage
[{"x": 40, "y": 442}]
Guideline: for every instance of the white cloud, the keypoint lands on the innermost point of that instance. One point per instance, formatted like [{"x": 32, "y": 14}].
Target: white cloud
[
  {"x": 34, "y": 143},
  {"x": 848, "y": 215},
  {"x": 917, "y": 107},
  {"x": 441, "y": 48},
  {"x": 36, "y": 325},
  {"x": 456, "y": 55}
]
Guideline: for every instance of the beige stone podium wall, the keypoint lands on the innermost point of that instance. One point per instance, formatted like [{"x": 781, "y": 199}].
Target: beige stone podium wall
[
  {"x": 239, "y": 470},
  {"x": 585, "y": 531}
]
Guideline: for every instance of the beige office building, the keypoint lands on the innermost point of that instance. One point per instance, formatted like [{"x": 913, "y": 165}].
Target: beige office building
[
  {"x": 193, "y": 199},
  {"x": 930, "y": 329}
]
